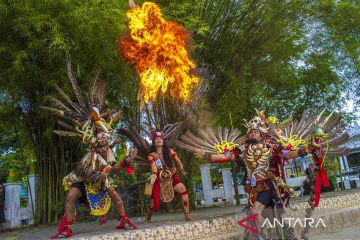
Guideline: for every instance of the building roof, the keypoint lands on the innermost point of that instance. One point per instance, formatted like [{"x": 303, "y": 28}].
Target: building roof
[{"x": 354, "y": 142}]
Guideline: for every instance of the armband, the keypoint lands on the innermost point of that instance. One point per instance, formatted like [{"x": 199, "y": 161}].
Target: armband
[
  {"x": 151, "y": 161},
  {"x": 222, "y": 161},
  {"x": 126, "y": 164}
]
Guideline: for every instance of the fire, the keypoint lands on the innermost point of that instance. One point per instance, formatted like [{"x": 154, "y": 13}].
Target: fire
[{"x": 159, "y": 51}]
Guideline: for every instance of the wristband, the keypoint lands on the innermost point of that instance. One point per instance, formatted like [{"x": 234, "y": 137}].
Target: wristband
[
  {"x": 302, "y": 152},
  {"x": 122, "y": 164},
  {"x": 106, "y": 169},
  {"x": 207, "y": 156},
  {"x": 227, "y": 154}
]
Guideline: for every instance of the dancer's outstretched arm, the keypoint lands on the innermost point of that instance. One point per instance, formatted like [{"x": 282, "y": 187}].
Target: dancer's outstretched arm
[
  {"x": 215, "y": 158},
  {"x": 302, "y": 152}
]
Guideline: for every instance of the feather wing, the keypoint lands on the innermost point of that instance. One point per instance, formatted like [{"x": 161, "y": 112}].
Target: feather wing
[
  {"x": 208, "y": 139},
  {"x": 331, "y": 125},
  {"x": 140, "y": 143},
  {"x": 173, "y": 131}
]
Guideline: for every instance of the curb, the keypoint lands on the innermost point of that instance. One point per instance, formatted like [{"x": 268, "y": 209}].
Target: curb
[{"x": 336, "y": 212}]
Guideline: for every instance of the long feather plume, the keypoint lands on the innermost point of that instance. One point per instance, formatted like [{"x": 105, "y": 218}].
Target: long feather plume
[
  {"x": 55, "y": 111},
  {"x": 67, "y": 133},
  {"x": 100, "y": 93},
  {"x": 74, "y": 83},
  {"x": 57, "y": 103},
  {"x": 67, "y": 98}
]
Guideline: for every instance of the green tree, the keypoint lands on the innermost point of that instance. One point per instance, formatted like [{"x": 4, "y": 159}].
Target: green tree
[
  {"x": 15, "y": 148},
  {"x": 275, "y": 55},
  {"x": 36, "y": 39}
]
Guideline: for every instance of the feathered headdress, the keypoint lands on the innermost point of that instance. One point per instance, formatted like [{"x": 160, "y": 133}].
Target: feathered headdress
[
  {"x": 157, "y": 133},
  {"x": 169, "y": 133},
  {"x": 269, "y": 126},
  {"x": 85, "y": 116}
]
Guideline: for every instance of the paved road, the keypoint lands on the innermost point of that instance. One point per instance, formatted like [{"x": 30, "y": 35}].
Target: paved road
[
  {"x": 85, "y": 229},
  {"x": 347, "y": 233}
]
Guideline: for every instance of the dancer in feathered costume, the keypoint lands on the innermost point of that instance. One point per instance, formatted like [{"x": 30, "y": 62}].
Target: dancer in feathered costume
[
  {"x": 161, "y": 161},
  {"x": 262, "y": 152},
  {"x": 90, "y": 182},
  {"x": 325, "y": 135}
]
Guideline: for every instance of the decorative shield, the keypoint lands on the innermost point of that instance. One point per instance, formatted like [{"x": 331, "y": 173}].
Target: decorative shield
[
  {"x": 166, "y": 188},
  {"x": 99, "y": 200}
]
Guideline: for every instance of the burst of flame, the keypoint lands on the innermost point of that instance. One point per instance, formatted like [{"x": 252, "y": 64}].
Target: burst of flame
[{"x": 159, "y": 51}]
